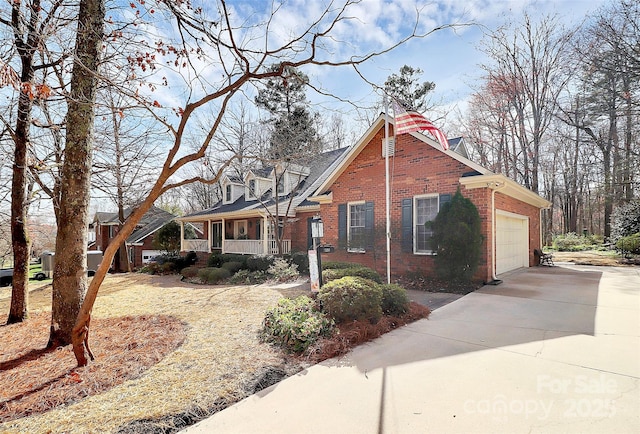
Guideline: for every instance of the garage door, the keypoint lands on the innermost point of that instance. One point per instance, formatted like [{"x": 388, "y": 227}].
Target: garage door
[
  {"x": 512, "y": 241},
  {"x": 148, "y": 255}
]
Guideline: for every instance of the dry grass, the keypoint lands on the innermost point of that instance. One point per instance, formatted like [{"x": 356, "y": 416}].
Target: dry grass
[
  {"x": 219, "y": 362},
  {"x": 169, "y": 353}
]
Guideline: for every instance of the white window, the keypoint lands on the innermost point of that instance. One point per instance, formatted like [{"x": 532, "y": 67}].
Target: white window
[
  {"x": 252, "y": 188},
  {"x": 356, "y": 226},
  {"x": 227, "y": 193},
  {"x": 425, "y": 211}
]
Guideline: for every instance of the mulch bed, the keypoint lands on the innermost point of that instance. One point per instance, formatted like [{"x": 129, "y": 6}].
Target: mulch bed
[
  {"x": 35, "y": 379},
  {"x": 431, "y": 284}
]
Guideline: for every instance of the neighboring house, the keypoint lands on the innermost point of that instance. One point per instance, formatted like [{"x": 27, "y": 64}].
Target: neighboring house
[
  {"x": 349, "y": 195},
  {"x": 139, "y": 244}
]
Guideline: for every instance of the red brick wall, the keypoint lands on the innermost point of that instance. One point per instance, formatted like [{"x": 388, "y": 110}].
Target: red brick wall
[{"x": 416, "y": 169}]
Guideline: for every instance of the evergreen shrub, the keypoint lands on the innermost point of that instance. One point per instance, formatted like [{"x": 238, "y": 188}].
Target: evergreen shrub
[
  {"x": 351, "y": 298},
  {"x": 394, "y": 300},
  {"x": 458, "y": 237},
  {"x": 295, "y": 324}
]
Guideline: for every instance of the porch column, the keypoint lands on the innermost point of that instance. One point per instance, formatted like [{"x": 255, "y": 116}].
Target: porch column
[
  {"x": 224, "y": 235},
  {"x": 209, "y": 236},
  {"x": 265, "y": 238},
  {"x": 181, "y": 236}
]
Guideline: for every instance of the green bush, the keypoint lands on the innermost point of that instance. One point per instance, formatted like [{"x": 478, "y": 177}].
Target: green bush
[
  {"x": 213, "y": 275},
  {"x": 629, "y": 244},
  {"x": 246, "y": 277},
  {"x": 295, "y": 324},
  {"x": 283, "y": 271},
  {"x": 351, "y": 298},
  {"x": 189, "y": 272},
  {"x": 259, "y": 262},
  {"x": 167, "y": 268},
  {"x": 625, "y": 220},
  {"x": 301, "y": 259},
  {"x": 177, "y": 262},
  {"x": 458, "y": 236},
  {"x": 215, "y": 260},
  {"x": 232, "y": 266},
  {"x": 330, "y": 265},
  {"x": 355, "y": 270},
  {"x": 571, "y": 242},
  {"x": 394, "y": 300}
]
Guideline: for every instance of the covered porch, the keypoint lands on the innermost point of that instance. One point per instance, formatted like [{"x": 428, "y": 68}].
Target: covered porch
[{"x": 245, "y": 236}]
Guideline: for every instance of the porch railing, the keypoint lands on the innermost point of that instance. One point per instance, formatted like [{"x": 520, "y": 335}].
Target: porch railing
[
  {"x": 243, "y": 247},
  {"x": 196, "y": 245},
  {"x": 254, "y": 247}
]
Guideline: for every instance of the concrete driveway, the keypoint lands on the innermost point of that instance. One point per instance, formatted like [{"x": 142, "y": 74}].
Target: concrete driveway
[{"x": 549, "y": 350}]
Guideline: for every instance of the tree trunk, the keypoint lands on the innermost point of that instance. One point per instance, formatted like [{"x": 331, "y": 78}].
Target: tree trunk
[
  {"x": 20, "y": 243},
  {"x": 70, "y": 272}
]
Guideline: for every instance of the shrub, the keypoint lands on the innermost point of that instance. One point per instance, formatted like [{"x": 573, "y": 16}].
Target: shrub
[
  {"x": 189, "y": 272},
  {"x": 351, "y": 298},
  {"x": 283, "y": 271},
  {"x": 167, "y": 268},
  {"x": 571, "y": 242},
  {"x": 355, "y": 270},
  {"x": 301, "y": 259},
  {"x": 394, "y": 300},
  {"x": 232, "y": 266},
  {"x": 177, "y": 262},
  {"x": 213, "y": 274},
  {"x": 259, "y": 262},
  {"x": 246, "y": 277},
  {"x": 625, "y": 220},
  {"x": 336, "y": 264},
  {"x": 629, "y": 244},
  {"x": 458, "y": 237},
  {"x": 215, "y": 260},
  {"x": 295, "y": 324}
]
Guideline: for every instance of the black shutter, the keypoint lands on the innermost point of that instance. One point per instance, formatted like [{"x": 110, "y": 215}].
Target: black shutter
[
  {"x": 407, "y": 225},
  {"x": 342, "y": 225},
  {"x": 444, "y": 198},
  {"x": 368, "y": 225}
]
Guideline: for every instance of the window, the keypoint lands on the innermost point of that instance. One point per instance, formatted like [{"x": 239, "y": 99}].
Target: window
[
  {"x": 356, "y": 226},
  {"x": 426, "y": 210},
  {"x": 252, "y": 188},
  {"x": 227, "y": 193}
]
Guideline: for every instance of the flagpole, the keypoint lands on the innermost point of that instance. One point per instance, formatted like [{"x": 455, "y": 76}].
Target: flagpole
[{"x": 386, "y": 184}]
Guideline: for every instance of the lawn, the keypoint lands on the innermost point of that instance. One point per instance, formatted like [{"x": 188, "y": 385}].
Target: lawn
[
  {"x": 217, "y": 360},
  {"x": 168, "y": 353}
]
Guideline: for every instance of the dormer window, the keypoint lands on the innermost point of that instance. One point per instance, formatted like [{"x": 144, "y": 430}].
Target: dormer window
[
  {"x": 252, "y": 188},
  {"x": 227, "y": 193}
]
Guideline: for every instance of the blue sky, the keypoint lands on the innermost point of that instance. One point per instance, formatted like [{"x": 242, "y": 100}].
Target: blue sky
[{"x": 450, "y": 58}]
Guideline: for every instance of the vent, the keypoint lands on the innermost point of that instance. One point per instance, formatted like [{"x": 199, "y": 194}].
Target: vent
[{"x": 388, "y": 147}]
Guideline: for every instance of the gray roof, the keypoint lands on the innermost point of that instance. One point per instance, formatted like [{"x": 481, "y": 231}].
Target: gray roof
[
  {"x": 318, "y": 166},
  {"x": 153, "y": 220}
]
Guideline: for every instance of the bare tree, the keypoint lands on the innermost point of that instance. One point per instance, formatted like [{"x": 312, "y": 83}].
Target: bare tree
[
  {"x": 242, "y": 63},
  {"x": 527, "y": 68}
]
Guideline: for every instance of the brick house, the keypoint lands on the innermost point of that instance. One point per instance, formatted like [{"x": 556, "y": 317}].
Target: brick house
[
  {"x": 349, "y": 196},
  {"x": 139, "y": 244}
]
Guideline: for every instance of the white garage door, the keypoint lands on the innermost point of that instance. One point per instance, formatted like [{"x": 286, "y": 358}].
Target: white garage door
[
  {"x": 148, "y": 255},
  {"x": 512, "y": 241}
]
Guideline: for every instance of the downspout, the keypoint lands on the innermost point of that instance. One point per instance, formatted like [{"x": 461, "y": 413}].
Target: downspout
[
  {"x": 182, "y": 236},
  {"x": 494, "y": 186}
]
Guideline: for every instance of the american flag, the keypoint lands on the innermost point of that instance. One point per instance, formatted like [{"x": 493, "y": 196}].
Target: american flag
[{"x": 410, "y": 121}]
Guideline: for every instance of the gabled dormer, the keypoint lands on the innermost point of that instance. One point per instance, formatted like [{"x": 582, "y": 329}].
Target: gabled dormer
[
  {"x": 256, "y": 183},
  {"x": 288, "y": 177},
  {"x": 232, "y": 189}
]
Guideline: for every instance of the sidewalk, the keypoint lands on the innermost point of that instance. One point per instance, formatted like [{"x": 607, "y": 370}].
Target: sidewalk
[{"x": 549, "y": 350}]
